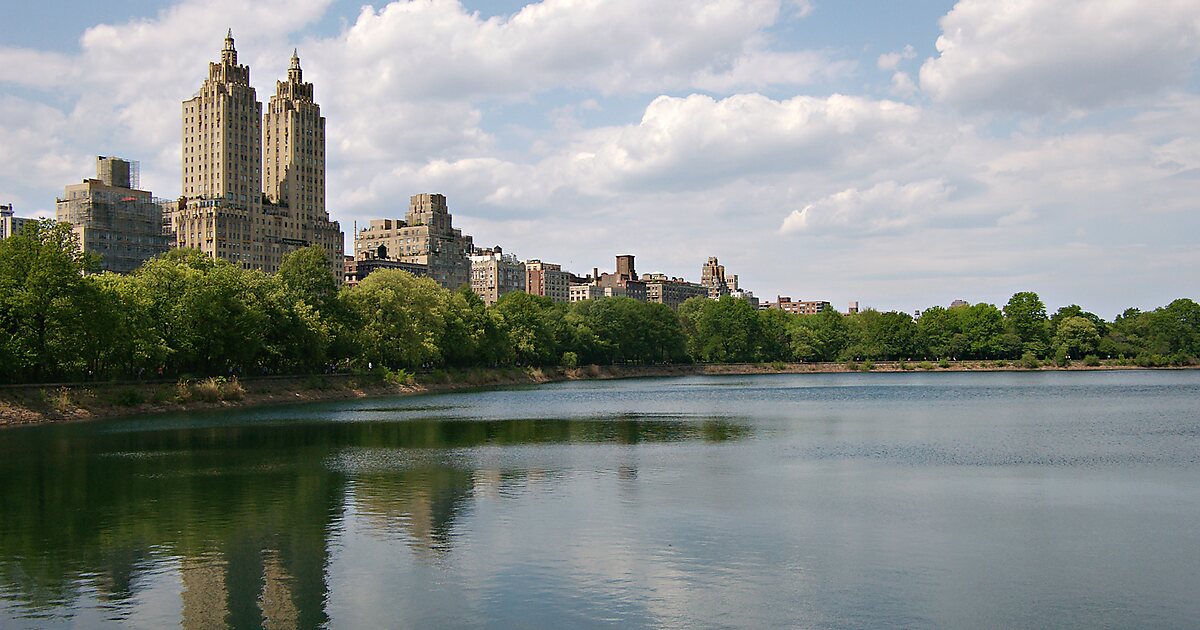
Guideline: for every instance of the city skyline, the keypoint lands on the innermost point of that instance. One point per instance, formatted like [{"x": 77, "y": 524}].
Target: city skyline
[{"x": 1025, "y": 151}]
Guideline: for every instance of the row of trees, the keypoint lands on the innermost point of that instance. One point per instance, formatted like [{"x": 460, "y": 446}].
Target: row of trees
[{"x": 184, "y": 313}]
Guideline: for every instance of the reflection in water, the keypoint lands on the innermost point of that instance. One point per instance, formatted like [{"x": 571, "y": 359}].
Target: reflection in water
[{"x": 247, "y": 512}]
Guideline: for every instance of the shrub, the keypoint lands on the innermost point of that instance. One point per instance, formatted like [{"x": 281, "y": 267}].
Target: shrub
[
  {"x": 906, "y": 366},
  {"x": 942, "y": 363},
  {"x": 208, "y": 390},
  {"x": 867, "y": 365},
  {"x": 399, "y": 376},
  {"x": 183, "y": 391},
  {"x": 1061, "y": 358},
  {"x": 232, "y": 390},
  {"x": 852, "y": 366},
  {"x": 925, "y": 365},
  {"x": 1030, "y": 361},
  {"x": 316, "y": 381},
  {"x": 1000, "y": 364},
  {"x": 439, "y": 376},
  {"x": 778, "y": 366},
  {"x": 569, "y": 360},
  {"x": 1091, "y": 360},
  {"x": 128, "y": 398}
]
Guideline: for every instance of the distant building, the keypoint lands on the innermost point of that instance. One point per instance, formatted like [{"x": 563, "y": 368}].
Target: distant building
[
  {"x": 800, "y": 308},
  {"x": 495, "y": 274},
  {"x": 743, "y": 294},
  {"x": 426, "y": 237},
  {"x": 712, "y": 278},
  {"x": 853, "y": 308},
  {"x": 547, "y": 280},
  {"x": 9, "y": 223},
  {"x": 355, "y": 271},
  {"x": 112, "y": 218},
  {"x": 623, "y": 283},
  {"x": 581, "y": 292},
  {"x": 958, "y": 303},
  {"x": 228, "y": 208},
  {"x": 670, "y": 291}
]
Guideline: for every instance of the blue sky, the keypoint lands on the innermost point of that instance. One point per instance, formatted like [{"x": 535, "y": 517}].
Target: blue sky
[{"x": 901, "y": 154}]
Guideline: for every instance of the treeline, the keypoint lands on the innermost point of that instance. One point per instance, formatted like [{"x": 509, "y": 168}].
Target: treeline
[{"x": 185, "y": 314}]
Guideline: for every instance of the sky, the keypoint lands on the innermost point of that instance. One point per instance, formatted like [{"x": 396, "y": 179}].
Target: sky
[{"x": 899, "y": 154}]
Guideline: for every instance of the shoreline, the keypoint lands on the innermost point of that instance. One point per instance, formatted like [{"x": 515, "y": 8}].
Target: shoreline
[{"x": 36, "y": 404}]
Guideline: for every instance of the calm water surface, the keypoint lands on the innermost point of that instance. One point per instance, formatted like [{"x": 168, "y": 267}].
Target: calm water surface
[{"x": 872, "y": 500}]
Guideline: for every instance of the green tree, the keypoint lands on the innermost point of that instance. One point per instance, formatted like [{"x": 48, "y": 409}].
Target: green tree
[
  {"x": 45, "y": 302},
  {"x": 775, "y": 343},
  {"x": 531, "y": 324},
  {"x": 941, "y": 329},
  {"x": 983, "y": 329},
  {"x": 400, "y": 319},
  {"x": 1076, "y": 337},
  {"x": 1025, "y": 315},
  {"x": 820, "y": 337},
  {"x": 725, "y": 330},
  {"x": 306, "y": 275}
]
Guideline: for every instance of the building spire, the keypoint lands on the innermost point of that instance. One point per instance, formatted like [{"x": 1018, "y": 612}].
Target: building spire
[
  {"x": 229, "y": 53},
  {"x": 295, "y": 75}
]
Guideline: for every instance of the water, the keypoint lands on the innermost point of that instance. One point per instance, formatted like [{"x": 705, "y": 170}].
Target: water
[{"x": 855, "y": 500}]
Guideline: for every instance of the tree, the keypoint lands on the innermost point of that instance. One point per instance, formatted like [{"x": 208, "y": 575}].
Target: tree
[
  {"x": 1074, "y": 310},
  {"x": 820, "y": 337},
  {"x": 984, "y": 335},
  {"x": 941, "y": 329},
  {"x": 1025, "y": 315},
  {"x": 306, "y": 275},
  {"x": 725, "y": 330},
  {"x": 1076, "y": 337},
  {"x": 44, "y": 302},
  {"x": 400, "y": 318},
  {"x": 530, "y": 323}
]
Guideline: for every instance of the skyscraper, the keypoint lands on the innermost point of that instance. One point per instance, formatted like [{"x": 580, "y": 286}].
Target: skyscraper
[{"x": 228, "y": 209}]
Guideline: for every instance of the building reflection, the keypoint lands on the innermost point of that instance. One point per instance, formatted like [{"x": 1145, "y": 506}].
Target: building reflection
[{"x": 247, "y": 513}]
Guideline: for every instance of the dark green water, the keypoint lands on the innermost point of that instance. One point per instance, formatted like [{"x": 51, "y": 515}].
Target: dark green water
[{"x": 873, "y": 500}]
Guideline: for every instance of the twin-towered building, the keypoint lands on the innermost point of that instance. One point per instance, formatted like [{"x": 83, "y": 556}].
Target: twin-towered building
[{"x": 253, "y": 183}]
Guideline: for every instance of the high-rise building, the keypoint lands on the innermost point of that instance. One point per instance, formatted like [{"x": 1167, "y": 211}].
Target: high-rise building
[
  {"x": 426, "y": 237},
  {"x": 495, "y": 274},
  {"x": 294, "y": 164},
  {"x": 712, "y": 277},
  {"x": 223, "y": 211},
  {"x": 10, "y": 224},
  {"x": 112, "y": 218}
]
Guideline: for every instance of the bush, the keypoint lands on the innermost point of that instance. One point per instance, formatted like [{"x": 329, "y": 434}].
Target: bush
[
  {"x": 925, "y": 365},
  {"x": 439, "y": 376},
  {"x": 906, "y": 366},
  {"x": 852, "y": 366},
  {"x": 128, "y": 398},
  {"x": 1029, "y": 361},
  {"x": 867, "y": 365},
  {"x": 942, "y": 363},
  {"x": 399, "y": 376},
  {"x": 569, "y": 360},
  {"x": 1000, "y": 364},
  {"x": 316, "y": 381},
  {"x": 778, "y": 366},
  {"x": 1091, "y": 360},
  {"x": 232, "y": 390},
  {"x": 183, "y": 391},
  {"x": 1061, "y": 358},
  {"x": 208, "y": 390}
]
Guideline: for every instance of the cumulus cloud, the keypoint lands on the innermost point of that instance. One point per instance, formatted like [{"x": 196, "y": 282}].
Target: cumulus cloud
[
  {"x": 884, "y": 207},
  {"x": 1037, "y": 56},
  {"x": 891, "y": 60}
]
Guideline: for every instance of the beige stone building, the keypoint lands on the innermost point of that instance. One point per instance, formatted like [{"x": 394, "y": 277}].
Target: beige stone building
[
  {"x": 547, "y": 280},
  {"x": 112, "y": 218},
  {"x": 10, "y": 224},
  {"x": 425, "y": 237},
  {"x": 228, "y": 210},
  {"x": 495, "y": 274},
  {"x": 623, "y": 283},
  {"x": 661, "y": 289}
]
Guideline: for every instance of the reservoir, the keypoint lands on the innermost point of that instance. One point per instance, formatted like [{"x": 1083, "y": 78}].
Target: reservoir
[{"x": 966, "y": 500}]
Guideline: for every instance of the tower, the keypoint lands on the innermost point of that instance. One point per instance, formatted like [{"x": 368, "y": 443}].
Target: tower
[{"x": 222, "y": 165}]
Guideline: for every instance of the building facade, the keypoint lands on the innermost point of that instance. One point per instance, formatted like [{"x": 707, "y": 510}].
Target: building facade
[
  {"x": 11, "y": 224},
  {"x": 426, "y": 237},
  {"x": 112, "y": 218},
  {"x": 227, "y": 209},
  {"x": 797, "y": 307},
  {"x": 547, "y": 280},
  {"x": 712, "y": 278},
  {"x": 495, "y": 274},
  {"x": 661, "y": 289}
]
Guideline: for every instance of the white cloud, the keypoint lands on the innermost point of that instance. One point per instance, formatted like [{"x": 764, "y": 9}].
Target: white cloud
[
  {"x": 1038, "y": 56},
  {"x": 891, "y": 60},
  {"x": 884, "y": 207},
  {"x": 902, "y": 85}
]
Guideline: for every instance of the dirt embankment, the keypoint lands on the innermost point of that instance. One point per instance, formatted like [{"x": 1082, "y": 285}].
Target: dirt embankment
[{"x": 66, "y": 402}]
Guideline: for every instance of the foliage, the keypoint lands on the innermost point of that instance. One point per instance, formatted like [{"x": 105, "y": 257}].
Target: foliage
[{"x": 184, "y": 315}]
